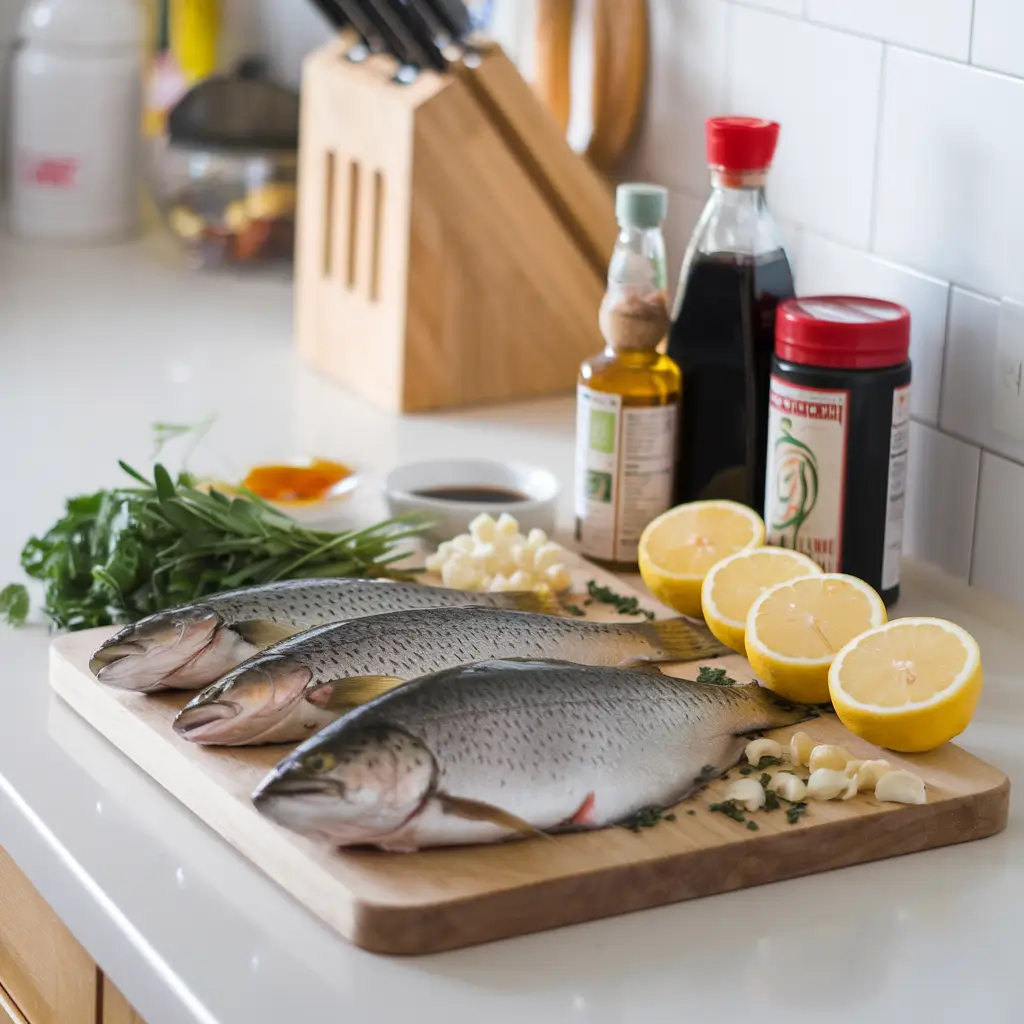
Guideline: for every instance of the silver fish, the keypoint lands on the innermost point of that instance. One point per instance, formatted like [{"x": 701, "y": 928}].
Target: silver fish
[
  {"x": 500, "y": 749},
  {"x": 300, "y": 685},
  {"x": 189, "y": 647}
]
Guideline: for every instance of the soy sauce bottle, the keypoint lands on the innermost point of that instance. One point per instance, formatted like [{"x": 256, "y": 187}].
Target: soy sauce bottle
[{"x": 734, "y": 274}]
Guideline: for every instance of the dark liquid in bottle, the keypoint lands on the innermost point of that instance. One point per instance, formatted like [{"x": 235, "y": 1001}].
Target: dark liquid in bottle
[
  {"x": 474, "y": 494},
  {"x": 722, "y": 340}
]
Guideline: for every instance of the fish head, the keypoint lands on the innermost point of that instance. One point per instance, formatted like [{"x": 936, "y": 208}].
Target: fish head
[
  {"x": 182, "y": 648},
  {"x": 245, "y": 703},
  {"x": 352, "y": 787}
]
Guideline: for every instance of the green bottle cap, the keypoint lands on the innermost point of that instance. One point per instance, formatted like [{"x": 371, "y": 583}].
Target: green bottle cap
[{"x": 639, "y": 205}]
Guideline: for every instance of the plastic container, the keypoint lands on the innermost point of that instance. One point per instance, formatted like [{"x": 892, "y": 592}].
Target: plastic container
[
  {"x": 75, "y": 117},
  {"x": 734, "y": 274},
  {"x": 225, "y": 174},
  {"x": 838, "y": 434}
]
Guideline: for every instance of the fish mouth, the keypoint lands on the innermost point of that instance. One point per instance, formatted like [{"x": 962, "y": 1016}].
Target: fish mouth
[
  {"x": 190, "y": 721},
  {"x": 299, "y": 785},
  {"x": 111, "y": 653}
]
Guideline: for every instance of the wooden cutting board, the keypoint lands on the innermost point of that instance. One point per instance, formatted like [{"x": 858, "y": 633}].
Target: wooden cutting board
[{"x": 447, "y": 898}]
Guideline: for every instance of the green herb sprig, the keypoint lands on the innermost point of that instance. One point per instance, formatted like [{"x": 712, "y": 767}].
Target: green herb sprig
[
  {"x": 119, "y": 555},
  {"x": 715, "y": 676},
  {"x": 623, "y": 605}
]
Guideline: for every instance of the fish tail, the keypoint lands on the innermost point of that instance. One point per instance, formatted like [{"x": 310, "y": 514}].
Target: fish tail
[
  {"x": 546, "y": 603},
  {"x": 771, "y": 710},
  {"x": 681, "y": 639}
]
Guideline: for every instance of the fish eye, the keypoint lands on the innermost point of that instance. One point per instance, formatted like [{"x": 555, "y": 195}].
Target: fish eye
[{"x": 318, "y": 763}]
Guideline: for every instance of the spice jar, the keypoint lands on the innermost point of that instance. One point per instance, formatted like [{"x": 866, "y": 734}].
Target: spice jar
[{"x": 838, "y": 426}]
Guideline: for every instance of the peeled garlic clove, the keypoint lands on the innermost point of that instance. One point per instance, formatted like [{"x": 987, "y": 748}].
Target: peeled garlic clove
[
  {"x": 537, "y": 538},
  {"x": 520, "y": 580},
  {"x": 789, "y": 787},
  {"x": 547, "y": 555},
  {"x": 506, "y": 526},
  {"x": 826, "y": 784},
  {"x": 445, "y": 548},
  {"x": 558, "y": 577},
  {"x": 800, "y": 747},
  {"x": 826, "y": 755},
  {"x": 463, "y": 543},
  {"x": 870, "y": 774},
  {"x": 756, "y": 749},
  {"x": 852, "y": 767},
  {"x": 747, "y": 792},
  {"x": 435, "y": 562},
  {"x": 851, "y": 788},
  {"x": 460, "y": 573},
  {"x": 482, "y": 528},
  {"x": 499, "y": 584},
  {"x": 900, "y": 787},
  {"x": 522, "y": 557},
  {"x": 485, "y": 555}
]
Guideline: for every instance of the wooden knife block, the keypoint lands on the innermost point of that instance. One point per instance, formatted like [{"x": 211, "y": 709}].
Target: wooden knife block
[{"x": 452, "y": 249}]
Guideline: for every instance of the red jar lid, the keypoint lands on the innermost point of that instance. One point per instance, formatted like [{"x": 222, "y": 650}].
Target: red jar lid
[
  {"x": 741, "y": 143},
  {"x": 842, "y": 331}
]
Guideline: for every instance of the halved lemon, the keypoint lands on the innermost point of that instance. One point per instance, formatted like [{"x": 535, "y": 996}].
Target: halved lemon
[
  {"x": 737, "y": 581},
  {"x": 910, "y": 685},
  {"x": 796, "y": 629},
  {"x": 679, "y": 548}
]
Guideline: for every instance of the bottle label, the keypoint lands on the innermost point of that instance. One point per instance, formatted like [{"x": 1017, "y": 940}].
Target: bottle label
[
  {"x": 624, "y": 465},
  {"x": 899, "y": 443},
  {"x": 804, "y": 484}
]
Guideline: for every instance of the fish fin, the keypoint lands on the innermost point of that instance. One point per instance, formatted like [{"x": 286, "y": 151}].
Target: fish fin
[
  {"x": 527, "y": 601},
  {"x": 584, "y": 816},
  {"x": 680, "y": 639},
  {"x": 640, "y": 663},
  {"x": 345, "y": 694},
  {"x": 477, "y": 810},
  {"x": 262, "y": 632}
]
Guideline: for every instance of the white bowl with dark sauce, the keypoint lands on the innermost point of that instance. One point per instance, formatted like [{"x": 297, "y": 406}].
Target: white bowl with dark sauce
[{"x": 453, "y": 492}]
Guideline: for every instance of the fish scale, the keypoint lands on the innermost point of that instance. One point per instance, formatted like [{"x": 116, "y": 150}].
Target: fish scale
[{"x": 537, "y": 740}]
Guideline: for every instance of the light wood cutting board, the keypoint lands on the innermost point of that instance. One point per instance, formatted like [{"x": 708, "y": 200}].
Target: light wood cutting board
[{"x": 447, "y": 898}]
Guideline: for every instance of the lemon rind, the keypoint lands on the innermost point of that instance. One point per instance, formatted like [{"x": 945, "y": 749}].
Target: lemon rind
[
  {"x": 768, "y": 549},
  {"x": 971, "y": 666}
]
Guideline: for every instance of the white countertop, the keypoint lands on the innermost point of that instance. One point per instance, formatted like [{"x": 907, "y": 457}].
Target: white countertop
[{"x": 97, "y": 345}]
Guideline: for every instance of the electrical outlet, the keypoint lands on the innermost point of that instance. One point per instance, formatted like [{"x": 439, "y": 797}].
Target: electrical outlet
[{"x": 1008, "y": 371}]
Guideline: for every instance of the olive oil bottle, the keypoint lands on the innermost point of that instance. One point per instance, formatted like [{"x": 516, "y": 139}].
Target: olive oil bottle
[{"x": 627, "y": 397}]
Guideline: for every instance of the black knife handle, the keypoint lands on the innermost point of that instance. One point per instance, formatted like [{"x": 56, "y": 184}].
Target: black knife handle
[
  {"x": 452, "y": 15},
  {"x": 368, "y": 20},
  {"x": 422, "y": 33}
]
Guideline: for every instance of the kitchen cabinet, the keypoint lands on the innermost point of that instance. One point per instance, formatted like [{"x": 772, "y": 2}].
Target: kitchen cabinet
[{"x": 46, "y": 977}]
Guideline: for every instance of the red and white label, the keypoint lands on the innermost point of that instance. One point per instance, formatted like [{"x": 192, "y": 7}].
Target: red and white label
[{"x": 804, "y": 485}]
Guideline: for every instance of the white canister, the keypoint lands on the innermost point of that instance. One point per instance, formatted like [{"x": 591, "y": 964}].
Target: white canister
[{"x": 76, "y": 121}]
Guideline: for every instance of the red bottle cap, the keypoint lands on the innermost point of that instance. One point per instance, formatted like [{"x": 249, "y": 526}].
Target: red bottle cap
[
  {"x": 842, "y": 331},
  {"x": 741, "y": 143}
]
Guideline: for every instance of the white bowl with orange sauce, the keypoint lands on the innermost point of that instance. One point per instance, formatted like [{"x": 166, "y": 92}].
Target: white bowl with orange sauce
[{"x": 308, "y": 490}]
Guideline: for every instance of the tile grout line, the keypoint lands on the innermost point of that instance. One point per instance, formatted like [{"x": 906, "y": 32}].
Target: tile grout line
[
  {"x": 945, "y": 350},
  {"x": 882, "y": 75},
  {"x": 974, "y": 524}
]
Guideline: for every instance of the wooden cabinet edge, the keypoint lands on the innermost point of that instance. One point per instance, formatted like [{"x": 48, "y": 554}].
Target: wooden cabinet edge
[
  {"x": 115, "y": 1008},
  {"x": 9, "y": 1010}
]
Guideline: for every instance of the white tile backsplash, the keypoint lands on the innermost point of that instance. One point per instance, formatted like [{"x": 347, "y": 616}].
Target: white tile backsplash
[
  {"x": 998, "y": 563},
  {"x": 949, "y": 198},
  {"x": 942, "y": 486},
  {"x": 826, "y": 267},
  {"x": 823, "y": 87},
  {"x": 938, "y": 26},
  {"x": 683, "y": 213},
  {"x": 686, "y": 86},
  {"x": 781, "y": 6},
  {"x": 998, "y": 33},
  {"x": 967, "y": 387}
]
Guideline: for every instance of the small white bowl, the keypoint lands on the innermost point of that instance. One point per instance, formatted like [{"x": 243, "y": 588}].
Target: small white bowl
[{"x": 453, "y": 517}]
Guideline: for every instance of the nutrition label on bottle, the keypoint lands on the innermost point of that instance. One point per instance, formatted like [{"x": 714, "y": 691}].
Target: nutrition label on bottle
[
  {"x": 624, "y": 464},
  {"x": 899, "y": 443}
]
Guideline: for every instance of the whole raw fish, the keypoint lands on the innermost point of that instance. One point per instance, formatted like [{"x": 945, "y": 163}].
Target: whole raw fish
[
  {"x": 189, "y": 647},
  {"x": 486, "y": 752},
  {"x": 300, "y": 685}
]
